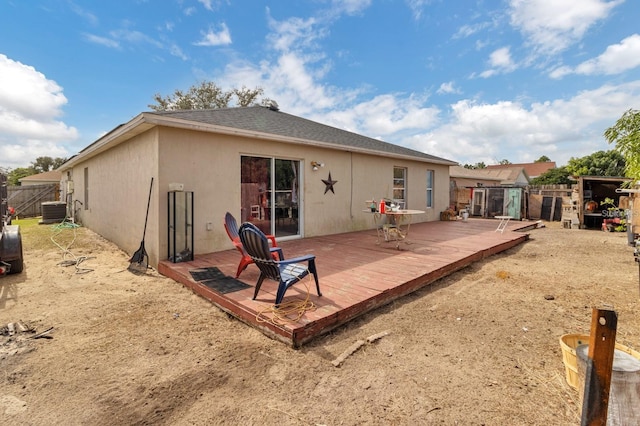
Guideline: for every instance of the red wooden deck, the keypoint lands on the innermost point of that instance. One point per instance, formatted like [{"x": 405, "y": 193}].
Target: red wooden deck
[{"x": 356, "y": 274}]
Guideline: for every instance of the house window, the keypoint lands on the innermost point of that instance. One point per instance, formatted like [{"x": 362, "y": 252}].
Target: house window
[
  {"x": 86, "y": 188},
  {"x": 400, "y": 186},
  {"x": 430, "y": 188}
]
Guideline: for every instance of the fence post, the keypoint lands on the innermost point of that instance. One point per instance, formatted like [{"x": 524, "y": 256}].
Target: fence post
[{"x": 597, "y": 384}]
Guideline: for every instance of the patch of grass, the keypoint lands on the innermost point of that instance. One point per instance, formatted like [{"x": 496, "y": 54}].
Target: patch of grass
[
  {"x": 38, "y": 236},
  {"x": 26, "y": 223},
  {"x": 34, "y": 235}
]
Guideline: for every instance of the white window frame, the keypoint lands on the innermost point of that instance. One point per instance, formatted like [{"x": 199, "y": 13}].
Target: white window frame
[
  {"x": 429, "y": 188},
  {"x": 400, "y": 189}
]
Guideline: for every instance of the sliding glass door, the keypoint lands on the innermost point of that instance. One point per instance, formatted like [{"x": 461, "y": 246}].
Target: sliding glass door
[{"x": 270, "y": 195}]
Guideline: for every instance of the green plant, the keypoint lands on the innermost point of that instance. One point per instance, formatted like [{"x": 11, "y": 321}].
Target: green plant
[
  {"x": 614, "y": 217},
  {"x": 609, "y": 202}
]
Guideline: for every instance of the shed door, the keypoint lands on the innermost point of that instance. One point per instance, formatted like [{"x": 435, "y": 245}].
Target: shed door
[
  {"x": 478, "y": 202},
  {"x": 513, "y": 200}
]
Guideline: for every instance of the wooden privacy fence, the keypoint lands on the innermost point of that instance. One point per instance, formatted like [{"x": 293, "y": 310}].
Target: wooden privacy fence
[
  {"x": 545, "y": 201},
  {"x": 27, "y": 200}
]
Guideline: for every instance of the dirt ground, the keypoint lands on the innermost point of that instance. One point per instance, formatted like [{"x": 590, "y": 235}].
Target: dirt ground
[{"x": 480, "y": 347}]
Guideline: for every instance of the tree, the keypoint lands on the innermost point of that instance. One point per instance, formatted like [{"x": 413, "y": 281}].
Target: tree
[
  {"x": 45, "y": 164},
  {"x": 206, "y": 95},
  {"x": 601, "y": 163},
  {"x": 625, "y": 134},
  {"x": 479, "y": 165},
  {"x": 14, "y": 176},
  {"x": 504, "y": 162},
  {"x": 247, "y": 97},
  {"x": 39, "y": 165},
  {"x": 556, "y": 176},
  {"x": 543, "y": 159}
]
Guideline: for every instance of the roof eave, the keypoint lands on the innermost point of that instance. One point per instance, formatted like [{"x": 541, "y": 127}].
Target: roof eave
[{"x": 120, "y": 134}]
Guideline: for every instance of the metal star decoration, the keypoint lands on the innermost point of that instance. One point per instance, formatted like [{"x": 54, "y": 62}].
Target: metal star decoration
[{"x": 329, "y": 184}]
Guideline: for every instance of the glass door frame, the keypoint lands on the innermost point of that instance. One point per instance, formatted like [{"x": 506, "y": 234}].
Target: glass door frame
[{"x": 275, "y": 203}]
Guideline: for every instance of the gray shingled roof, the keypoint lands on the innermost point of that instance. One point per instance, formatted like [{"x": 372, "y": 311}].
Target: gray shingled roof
[{"x": 269, "y": 121}]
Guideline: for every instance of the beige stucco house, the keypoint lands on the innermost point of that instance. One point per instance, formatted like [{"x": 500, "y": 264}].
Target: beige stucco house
[{"x": 294, "y": 177}]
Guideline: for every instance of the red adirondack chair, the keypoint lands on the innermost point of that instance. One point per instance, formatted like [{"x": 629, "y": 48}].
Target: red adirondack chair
[{"x": 231, "y": 226}]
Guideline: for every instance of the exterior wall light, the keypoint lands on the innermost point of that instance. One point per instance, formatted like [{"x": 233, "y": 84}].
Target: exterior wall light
[{"x": 315, "y": 165}]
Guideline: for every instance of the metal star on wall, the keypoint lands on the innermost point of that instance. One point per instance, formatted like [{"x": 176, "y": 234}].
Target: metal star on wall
[{"x": 329, "y": 184}]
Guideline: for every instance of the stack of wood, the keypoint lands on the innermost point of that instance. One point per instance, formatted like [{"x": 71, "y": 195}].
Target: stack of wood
[{"x": 448, "y": 214}]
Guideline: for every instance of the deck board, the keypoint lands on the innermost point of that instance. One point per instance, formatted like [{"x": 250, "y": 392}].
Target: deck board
[{"x": 356, "y": 274}]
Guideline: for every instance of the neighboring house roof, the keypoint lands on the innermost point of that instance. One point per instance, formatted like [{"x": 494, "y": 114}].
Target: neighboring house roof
[
  {"x": 484, "y": 174},
  {"x": 52, "y": 176},
  {"x": 533, "y": 169},
  {"x": 506, "y": 176},
  {"x": 256, "y": 122}
]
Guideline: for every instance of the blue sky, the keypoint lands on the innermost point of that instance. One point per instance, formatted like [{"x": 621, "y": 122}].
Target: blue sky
[{"x": 470, "y": 81}]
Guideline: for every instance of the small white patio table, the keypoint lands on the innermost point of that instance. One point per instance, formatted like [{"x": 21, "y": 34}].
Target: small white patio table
[{"x": 402, "y": 218}]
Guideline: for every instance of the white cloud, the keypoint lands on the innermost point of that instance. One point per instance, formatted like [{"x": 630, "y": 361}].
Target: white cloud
[
  {"x": 134, "y": 37},
  {"x": 553, "y": 25},
  {"x": 175, "y": 50},
  {"x": 290, "y": 80},
  {"x": 27, "y": 92},
  {"x": 560, "y": 71},
  {"x": 212, "y": 38},
  {"x": 417, "y": 7},
  {"x": 486, "y": 74},
  {"x": 616, "y": 59},
  {"x": 294, "y": 33},
  {"x": 560, "y": 129},
  {"x": 126, "y": 37},
  {"x": 30, "y": 105},
  {"x": 103, "y": 41},
  {"x": 24, "y": 153},
  {"x": 501, "y": 58},
  {"x": 386, "y": 116},
  {"x": 294, "y": 81},
  {"x": 212, "y": 4},
  {"x": 448, "y": 87},
  {"x": 206, "y": 3},
  {"x": 83, "y": 13},
  {"x": 350, "y": 7},
  {"x": 500, "y": 62},
  {"x": 471, "y": 29}
]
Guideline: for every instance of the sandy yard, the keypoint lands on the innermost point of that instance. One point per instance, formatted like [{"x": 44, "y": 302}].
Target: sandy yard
[{"x": 479, "y": 347}]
